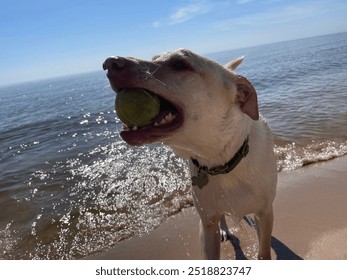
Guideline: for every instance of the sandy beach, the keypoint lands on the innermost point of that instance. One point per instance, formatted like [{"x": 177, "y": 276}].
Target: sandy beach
[{"x": 310, "y": 223}]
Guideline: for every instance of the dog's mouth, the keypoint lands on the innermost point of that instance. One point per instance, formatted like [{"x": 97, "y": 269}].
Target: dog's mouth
[{"x": 169, "y": 118}]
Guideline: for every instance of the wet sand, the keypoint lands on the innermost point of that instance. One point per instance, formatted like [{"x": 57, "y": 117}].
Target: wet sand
[{"x": 310, "y": 223}]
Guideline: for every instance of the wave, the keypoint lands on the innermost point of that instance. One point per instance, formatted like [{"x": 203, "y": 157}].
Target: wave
[
  {"x": 292, "y": 156},
  {"x": 114, "y": 192}
]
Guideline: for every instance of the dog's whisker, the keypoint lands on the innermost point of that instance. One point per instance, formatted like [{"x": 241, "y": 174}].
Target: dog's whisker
[
  {"x": 161, "y": 82},
  {"x": 155, "y": 70},
  {"x": 151, "y": 75}
]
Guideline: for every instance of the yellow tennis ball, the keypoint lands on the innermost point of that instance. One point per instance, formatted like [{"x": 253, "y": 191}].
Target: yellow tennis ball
[{"x": 136, "y": 107}]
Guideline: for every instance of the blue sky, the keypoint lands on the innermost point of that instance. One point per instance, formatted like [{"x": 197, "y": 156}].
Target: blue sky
[{"x": 47, "y": 38}]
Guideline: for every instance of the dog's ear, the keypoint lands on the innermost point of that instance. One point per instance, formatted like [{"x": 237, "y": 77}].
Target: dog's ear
[
  {"x": 232, "y": 65},
  {"x": 247, "y": 97}
]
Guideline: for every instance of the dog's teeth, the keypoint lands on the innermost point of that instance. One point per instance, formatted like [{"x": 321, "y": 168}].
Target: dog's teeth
[
  {"x": 125, "y": 127},
  {"x": 169, "y": 117},
  {"x": 135, "y": 127},
  {"x": 166, "y": 119}
]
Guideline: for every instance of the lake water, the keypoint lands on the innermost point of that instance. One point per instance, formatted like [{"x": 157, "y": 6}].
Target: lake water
[{"x": 69, "y": 186}]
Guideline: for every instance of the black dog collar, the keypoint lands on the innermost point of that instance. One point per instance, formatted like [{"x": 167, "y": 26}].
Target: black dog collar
[{"x": 201, "y": 180}]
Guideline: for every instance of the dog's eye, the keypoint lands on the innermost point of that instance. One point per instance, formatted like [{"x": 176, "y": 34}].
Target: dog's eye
[{"x": 180, "y": 65}]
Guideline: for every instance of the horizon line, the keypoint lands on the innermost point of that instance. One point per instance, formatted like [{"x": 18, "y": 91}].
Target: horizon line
[{"x": 4, "y": 85}]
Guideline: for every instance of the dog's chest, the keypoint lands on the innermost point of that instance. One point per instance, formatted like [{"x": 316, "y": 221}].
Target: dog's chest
[{"x": 223, "y": 194}]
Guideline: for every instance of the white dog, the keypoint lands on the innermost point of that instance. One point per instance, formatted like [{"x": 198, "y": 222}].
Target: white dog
[{"x": 209, "y": 115}]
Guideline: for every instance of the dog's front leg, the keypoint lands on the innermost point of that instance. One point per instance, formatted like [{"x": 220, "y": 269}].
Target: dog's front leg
[
  {"x": 210, "y": 238},
  {"x": 224, "y": 231},
  {"x": 264, "y": 223}
]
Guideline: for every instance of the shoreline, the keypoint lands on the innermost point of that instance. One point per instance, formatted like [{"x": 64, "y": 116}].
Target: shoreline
[{"x": 310, "y": 223}]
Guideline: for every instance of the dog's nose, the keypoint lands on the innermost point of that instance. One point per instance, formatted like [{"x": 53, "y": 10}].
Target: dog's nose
[{"x": 114, "y": 63}]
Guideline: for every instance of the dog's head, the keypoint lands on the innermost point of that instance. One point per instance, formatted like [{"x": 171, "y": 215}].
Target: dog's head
[{"x": 200, "y": 99}]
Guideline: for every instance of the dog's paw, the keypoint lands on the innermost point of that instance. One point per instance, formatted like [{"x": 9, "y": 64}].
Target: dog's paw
[{"x": 224, "y": 237}]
